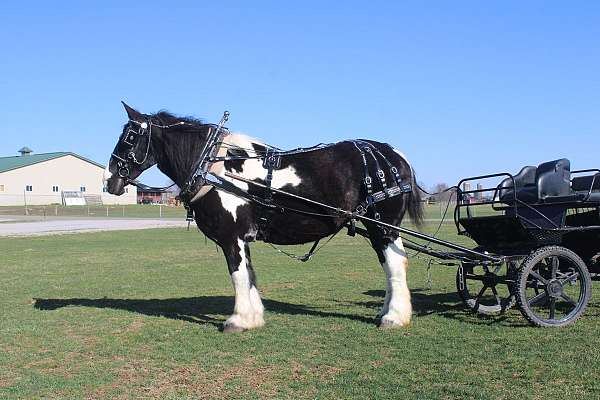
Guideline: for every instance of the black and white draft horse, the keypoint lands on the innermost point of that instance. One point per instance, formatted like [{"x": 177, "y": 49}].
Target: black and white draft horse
[{"x": 332, "y": 174}]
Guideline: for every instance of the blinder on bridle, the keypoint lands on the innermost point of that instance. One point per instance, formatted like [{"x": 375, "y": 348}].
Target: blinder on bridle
[{"x": 130, "y": 138}]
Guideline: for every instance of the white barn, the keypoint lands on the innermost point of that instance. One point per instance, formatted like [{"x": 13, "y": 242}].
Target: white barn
[{"x": 44, "y": 178}]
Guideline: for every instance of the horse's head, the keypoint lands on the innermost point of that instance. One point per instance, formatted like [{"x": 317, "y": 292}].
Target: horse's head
[{"x": 132, "y": 154}]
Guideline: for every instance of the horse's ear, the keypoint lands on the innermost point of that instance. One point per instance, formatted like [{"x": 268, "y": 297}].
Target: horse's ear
[{"x": 131, "y": 113}]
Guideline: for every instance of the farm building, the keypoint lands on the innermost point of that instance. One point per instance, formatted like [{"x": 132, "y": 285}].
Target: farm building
[
  {"x": 55, "y": 178},
  {"x": 148, "y": 195}
]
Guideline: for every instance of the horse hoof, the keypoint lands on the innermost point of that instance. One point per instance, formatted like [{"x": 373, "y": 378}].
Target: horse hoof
[
  {"x": 386, "y": 324},
  {"x": 230, "y": 328}
]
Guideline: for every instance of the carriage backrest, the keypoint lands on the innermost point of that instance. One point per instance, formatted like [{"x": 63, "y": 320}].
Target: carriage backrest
[
  {"x": 553, "y": 179},
  {"x": 584, "y": 183},
  {"x": 546, "y": 182},
  {"x": 524, "y": 181}
]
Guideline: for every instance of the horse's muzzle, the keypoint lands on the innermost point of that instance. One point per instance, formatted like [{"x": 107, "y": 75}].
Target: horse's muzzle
[{"x": 115, "y": 185}]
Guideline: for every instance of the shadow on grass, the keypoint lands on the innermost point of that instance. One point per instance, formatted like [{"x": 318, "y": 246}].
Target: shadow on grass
[
  {"x": 447, "y": 305},
  {"x": 423, "y": 302},
  {"x": 202, "y": 310}
]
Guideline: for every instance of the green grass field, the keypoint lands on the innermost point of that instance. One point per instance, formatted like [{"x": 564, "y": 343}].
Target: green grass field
[{"x": 132, "y": 315}]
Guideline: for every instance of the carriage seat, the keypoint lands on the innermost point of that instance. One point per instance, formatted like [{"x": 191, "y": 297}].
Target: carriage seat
[
  {"x": 549, "y": 182},
  {"x": 525, "y": 184},
  {"x": 553, "y": 180},
  {"x": 582, "y": 184}
]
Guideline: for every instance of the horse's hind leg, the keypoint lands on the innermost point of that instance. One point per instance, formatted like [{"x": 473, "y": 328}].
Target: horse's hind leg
[
  {"x": 397, "y": 309},
  {"x": 248, "y": 310}
]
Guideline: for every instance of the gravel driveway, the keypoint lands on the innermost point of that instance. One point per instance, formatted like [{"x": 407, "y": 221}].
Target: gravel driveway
[{"x": 19, "y": 227}]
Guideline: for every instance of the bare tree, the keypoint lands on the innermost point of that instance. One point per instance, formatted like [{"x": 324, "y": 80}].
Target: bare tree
[{"x": 441, "y": 193}]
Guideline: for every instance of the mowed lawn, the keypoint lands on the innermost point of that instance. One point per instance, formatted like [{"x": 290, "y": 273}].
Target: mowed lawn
[{"x": 137, "y": 315}]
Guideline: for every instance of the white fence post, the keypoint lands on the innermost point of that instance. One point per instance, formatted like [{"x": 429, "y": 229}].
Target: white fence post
[{"x": 25, "y": 201}]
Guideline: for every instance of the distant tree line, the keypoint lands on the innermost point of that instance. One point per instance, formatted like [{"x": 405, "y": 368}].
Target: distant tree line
[{"x": 439, "y": 193}]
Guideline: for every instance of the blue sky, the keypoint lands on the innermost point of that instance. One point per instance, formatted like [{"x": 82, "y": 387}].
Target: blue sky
[{"x": 462, "y": 88}]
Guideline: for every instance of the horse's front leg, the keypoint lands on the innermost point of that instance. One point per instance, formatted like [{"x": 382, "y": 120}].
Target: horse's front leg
[{"x": 248, "y": 310}]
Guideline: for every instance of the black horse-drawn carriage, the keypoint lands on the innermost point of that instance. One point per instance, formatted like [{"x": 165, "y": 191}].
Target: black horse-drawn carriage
[{"x": 540, "y": 233}]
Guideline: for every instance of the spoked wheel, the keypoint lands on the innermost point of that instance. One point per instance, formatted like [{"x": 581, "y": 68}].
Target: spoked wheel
[
  {"x": 553, "y": 287},
  {"x": 486, "y": 290}
]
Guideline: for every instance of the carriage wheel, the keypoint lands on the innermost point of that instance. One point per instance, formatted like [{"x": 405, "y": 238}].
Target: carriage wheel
[
  {"x": 486, "y": 290},
  {"x": 553, "y": 287}
]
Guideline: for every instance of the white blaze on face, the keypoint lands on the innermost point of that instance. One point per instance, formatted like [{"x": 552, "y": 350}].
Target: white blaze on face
[{"x": 107, "y": 174}]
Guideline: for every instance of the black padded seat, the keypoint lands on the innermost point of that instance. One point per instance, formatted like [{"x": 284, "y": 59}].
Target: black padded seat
[
  {"x": 525, "y": 184},
  {"x": 582, "y": 184},
  {"x": 548, "y": 183},
  {"x": 594, "y": 197},
  {"x": 553, "y": 180}
]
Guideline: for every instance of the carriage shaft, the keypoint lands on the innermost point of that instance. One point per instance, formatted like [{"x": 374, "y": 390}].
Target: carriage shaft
[{"x": 473, "y": 253}]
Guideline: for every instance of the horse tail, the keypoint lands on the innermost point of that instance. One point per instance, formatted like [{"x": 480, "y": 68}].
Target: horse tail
[{"x": 415, "y": 205}]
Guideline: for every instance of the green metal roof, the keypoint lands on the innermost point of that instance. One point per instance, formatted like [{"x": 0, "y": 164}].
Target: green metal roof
[{"x": 10, "y": 163}]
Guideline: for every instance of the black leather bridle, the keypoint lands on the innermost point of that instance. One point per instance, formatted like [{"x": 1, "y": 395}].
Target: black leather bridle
[
  {"x": 197, "y": 178},
  {"x": 130, "y": 138}
]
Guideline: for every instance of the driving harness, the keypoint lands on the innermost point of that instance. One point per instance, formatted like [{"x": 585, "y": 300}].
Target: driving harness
[{"x": 207, "y": 172}]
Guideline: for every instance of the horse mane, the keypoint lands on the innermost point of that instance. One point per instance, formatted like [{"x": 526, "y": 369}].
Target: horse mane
[
  {"x": 177, "y": 148},
  {"x": 190, "y": 123}
]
